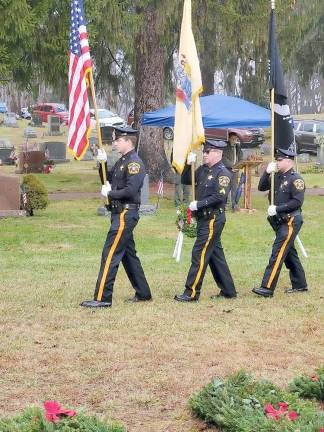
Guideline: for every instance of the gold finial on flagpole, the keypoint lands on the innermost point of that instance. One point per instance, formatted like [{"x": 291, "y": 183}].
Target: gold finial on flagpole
[{"x": 273, "y": 4}]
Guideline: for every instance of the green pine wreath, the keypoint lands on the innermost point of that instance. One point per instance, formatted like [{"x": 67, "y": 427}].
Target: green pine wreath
[{"x": 185, "y": 222}]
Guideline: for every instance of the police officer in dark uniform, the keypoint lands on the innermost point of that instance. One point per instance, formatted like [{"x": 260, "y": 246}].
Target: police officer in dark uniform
[
  {"x": 286, "y": 219},
  {"x": 123, "y": 190},
  {"x": 212, "y": 186}
]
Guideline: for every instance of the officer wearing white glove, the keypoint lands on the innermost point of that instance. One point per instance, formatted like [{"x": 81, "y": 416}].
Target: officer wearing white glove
[
  {"x": 101, "y": 155},
  {"x": 191, "y": 159},
  {"x": 105, "y": 189},
  {"x": 272, "y": 210},
  {"x": 272, "y": 168},
  {"x": 193, "y": 206}
]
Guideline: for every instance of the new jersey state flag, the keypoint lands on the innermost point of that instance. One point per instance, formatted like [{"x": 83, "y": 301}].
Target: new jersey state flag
[{"x": 188, "y": 126}]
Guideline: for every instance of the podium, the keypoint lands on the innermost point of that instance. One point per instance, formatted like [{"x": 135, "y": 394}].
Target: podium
[{"x": 246, "y": 166}]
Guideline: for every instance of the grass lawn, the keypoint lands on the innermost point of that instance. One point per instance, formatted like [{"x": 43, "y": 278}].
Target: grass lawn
[{"x": 140, "y": 363}]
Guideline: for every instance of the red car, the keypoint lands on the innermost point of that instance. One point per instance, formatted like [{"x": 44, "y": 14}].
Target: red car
[{"x": 43, "y": 110}]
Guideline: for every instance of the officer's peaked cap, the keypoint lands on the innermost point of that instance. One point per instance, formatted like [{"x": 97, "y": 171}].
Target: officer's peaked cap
[
  {"x": 285, "y": 154},
  {"x": 215, "y": 144},
  {"x": 124, "y": 131}
]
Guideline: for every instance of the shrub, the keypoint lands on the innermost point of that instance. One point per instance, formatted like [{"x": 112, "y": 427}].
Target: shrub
[
  {"x": 36, "y": 194},
  {"x": 309, "y": 386},
  {"x": 33, "y": 420},
  {"x": 240, "y": 404}
]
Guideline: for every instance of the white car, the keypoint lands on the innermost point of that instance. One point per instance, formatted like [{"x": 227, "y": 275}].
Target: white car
[{"x": 106, "y": 118}]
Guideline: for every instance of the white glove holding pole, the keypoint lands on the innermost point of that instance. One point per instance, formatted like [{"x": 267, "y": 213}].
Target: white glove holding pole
[
  {"x": 272, "y": 167},
  {"x": 105, "y": 189},
  {"x": 191, "y": 158},
  {"x": 193, "y": 206},
  {"x": 272, "y": 210},
  {"x": 101, "y": 155}
]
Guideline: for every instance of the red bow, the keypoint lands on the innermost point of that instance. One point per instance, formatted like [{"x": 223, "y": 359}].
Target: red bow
[
  {"x": 189, "y": 216},
  {"x": 53, "y": 411},
  {"x": 276, "y": 414}
]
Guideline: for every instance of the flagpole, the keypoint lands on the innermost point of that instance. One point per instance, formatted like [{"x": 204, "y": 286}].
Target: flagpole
[
  {"x": 193, "y": 181},
  {"x": 93, "y": 94},
  {"x": 273, "y": 5},
  {"x": 103, "y": 164}
]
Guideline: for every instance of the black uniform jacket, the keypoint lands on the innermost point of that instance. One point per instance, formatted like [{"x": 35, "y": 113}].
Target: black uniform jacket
[
  {"x": 289, "y": 190},
  {"x": 212, "y": 184},
  {"x": 126, "y": 178}
]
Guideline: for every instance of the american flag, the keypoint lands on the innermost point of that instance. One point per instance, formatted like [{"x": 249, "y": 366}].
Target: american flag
[
  {"x": 79, "y": 70},
  {"x": 160, "y": 186}
]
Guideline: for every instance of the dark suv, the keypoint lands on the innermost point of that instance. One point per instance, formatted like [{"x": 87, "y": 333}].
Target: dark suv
[
  {"x": 247, "y": 137},
  {"x": 306, "y": 131}
]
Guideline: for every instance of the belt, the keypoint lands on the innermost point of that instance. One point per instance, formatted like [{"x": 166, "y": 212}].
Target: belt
[
  {"x": 117, "y": 207},
  {"x": 291, "y": 214},
  {"x": 208, "y": 212},
  {"x": 131, "y": 206}
]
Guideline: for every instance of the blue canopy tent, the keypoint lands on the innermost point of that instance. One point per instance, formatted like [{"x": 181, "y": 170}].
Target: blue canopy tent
[{"x": 218, "y": 111}]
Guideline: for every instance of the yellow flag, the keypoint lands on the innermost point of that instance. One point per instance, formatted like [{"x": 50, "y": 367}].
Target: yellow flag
[{"x": 188, "y": 126}]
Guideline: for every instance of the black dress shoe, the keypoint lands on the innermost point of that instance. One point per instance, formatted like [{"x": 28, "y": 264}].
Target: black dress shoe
[
  {"x": 264, "y": 292},
  {"x": 137, "y": 299},
  {"x": 185, "y": 298},
  {"x": 95, "y": 304},
  {"x": 295, "y": 290},
  {"x": 222, "y": 295}
]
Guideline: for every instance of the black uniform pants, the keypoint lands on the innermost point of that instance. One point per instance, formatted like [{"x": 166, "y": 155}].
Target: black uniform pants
[
  {"x": 208, "y": 250},
  {"x": 283, "y": 251},
  {"x": 120, "y": 246}
]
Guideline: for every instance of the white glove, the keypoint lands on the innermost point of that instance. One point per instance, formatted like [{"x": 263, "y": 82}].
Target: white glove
[
  {"x": 191, "y": 159},
  {"x": 101, "y": 155},
  {"x": 272, "y": 210},
  {"x": 193, "y": 206},
  {"x": 105, "y": 189},
  {"x": 272, "y": 167}
]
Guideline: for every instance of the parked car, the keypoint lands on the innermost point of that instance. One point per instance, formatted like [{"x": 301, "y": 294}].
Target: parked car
[
  {"x": 248, "y": 137},
  {"x": 306, "y": 131},
  {"x": 106, "y": 118},
  {"x": 25, "y": 114},
  {"x": 3, "y": 108},
  {"x": 43, "y": 110}
]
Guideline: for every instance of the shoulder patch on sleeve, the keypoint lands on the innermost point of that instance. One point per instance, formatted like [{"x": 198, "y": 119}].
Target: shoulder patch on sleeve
[
  {"x": 133, "y": 168},
  {"x": 299, "y": 184},
  {"x": 224, "y": 181}
]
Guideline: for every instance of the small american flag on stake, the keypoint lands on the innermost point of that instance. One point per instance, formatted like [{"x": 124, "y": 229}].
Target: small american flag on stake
[
  {"x": 159, "y": 191},
  {"x": 79, "y": 70},
  {"x": 160, "y": 186}
]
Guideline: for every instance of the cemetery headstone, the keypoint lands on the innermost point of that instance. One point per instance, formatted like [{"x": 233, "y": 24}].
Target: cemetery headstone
[
  {"x": 10, "y": 196},
  {"x": 31, "y": 161},
  {"x": 303, "y": 158},
  {"x": 10, "y": 120},
  {"x": 55, "y": 151},
  {"x": 36, "y": 121},
  {"x": 29, "y": 132},
  {"x": 54, "y": 125},
  {"x": 6, "y": 149},
  {"x": 320, "y": 150}
]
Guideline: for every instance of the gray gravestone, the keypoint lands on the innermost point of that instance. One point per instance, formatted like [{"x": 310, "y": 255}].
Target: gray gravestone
[
  {"x": 320, "y": 150},
  {"x": 29, "y": 132},
  {"x": 6, "y": 149},
  {"x": 55, "y": 151},
  {"x": 303, "y": 158},
  {"x": 10, "y": 196},
  {"x": 36, "y": 121},
  {"x": 88, "y": 155},
  {"x": 10, "y": 120},
  {"x": 54, "y": 125}
]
